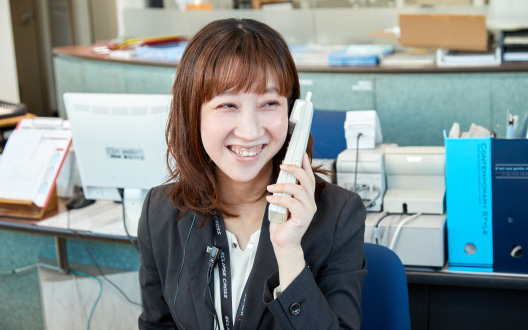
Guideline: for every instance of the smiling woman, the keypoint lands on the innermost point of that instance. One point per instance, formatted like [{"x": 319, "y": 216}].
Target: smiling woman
[
  {"x": 232, "y": 57},
  {"x": 227, "y": 136}
]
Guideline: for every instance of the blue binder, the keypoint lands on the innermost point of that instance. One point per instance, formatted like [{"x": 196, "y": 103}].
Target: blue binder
[
  {"x": 469, "y": 204},
  {"x": 510, "y": 205}
]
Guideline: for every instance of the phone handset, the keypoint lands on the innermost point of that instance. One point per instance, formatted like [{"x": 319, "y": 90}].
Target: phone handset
[{"x": 301, "y": 120}]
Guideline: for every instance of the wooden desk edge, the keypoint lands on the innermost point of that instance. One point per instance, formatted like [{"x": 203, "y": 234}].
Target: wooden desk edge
[{"x": 84, "y": 52}]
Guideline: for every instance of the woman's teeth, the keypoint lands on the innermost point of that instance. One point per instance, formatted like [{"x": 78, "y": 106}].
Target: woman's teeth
[{"x": 246, "y": 153}]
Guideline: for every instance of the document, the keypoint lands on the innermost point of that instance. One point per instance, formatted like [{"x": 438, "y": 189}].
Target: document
[{"x": 32, "y": 159}]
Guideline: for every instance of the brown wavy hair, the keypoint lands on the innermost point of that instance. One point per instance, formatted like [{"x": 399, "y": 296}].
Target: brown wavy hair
[{"x": 229, "y": 54}]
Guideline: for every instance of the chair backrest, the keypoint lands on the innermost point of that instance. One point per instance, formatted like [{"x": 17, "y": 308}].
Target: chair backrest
[{"x": 385, "y": 299}]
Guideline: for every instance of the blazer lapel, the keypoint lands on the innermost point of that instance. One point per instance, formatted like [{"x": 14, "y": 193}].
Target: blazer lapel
[
  {"x": 264, "y": 266},
  {"x": 196, "y": 265}
]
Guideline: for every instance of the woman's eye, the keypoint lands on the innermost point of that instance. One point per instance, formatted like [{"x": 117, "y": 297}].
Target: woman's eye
[
  {"x": 227, "y": 106},
  {"x": 271, "y": 104}
]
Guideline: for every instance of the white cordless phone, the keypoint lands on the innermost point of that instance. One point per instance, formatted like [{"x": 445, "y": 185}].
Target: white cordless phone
[{"x": 301, "y": 119}]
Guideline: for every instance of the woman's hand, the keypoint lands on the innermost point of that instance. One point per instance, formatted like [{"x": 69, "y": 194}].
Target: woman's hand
[{"x": 286, "y": 237}]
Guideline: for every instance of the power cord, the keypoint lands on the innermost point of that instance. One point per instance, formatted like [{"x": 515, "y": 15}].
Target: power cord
[
  {"x": 372, "y": 201},
  {"x": 76, "y": 272},
  {"x": 96, "y": 264},
  {"x": 70, "y": 180},
  {"x": 394, "y": 239},
  {"x": 377, "y": 231},
  {"x": 122, "y": 194},
  {"x": 387, "y": 233}
]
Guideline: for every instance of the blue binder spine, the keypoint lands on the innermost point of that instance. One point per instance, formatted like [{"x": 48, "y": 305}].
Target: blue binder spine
[
  {"x": 469, "y": 204},
  {"x": 510, "y": 205}
]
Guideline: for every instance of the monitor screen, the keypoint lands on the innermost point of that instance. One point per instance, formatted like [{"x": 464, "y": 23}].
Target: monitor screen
[{"x": 119, "y": 141}]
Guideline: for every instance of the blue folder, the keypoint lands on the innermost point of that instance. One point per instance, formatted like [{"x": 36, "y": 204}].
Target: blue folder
[
  {"x": 510, "y": 205},
  {"x": 469, "y": 204}
]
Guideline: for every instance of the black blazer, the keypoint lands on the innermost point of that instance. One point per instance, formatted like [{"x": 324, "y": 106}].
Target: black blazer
[{"x": 326, "y": 295}]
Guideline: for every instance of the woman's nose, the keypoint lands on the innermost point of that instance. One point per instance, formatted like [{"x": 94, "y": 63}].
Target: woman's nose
[{"x": 248, "y": 126}]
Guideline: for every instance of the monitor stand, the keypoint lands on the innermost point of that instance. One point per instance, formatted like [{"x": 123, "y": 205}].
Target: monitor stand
[{"x": 133, "y": 203}]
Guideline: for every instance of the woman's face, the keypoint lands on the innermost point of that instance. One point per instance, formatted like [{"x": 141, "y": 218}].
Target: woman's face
[{"x": 242, "y": 132}]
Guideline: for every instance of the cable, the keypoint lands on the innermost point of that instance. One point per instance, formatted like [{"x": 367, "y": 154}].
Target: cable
[
  {"x": 122, "y": 194},
  {"x": 208, "y": 288},
  {"x": 360, "y": 189},
  {"x": 53, "y": 267},
  {"x": 98, "y": 296},
  {"x": 373, "y": 200},
  {"x": 387, "y": 232},
  {"x": 376, "y": 231},
  {"x": 180, "y": 272},
  {"x": 357, "y": 160},
  {"x": 96, "y": 264},
  {"x": 398, "y": 229}
]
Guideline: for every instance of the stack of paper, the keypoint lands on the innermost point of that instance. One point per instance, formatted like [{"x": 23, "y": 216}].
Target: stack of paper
[
  {"x": 359, "y": 54},
  {"x": 408, "y": 59},
  {"x": 446, "y": 57},
  {"x": 32, "y": 159}
]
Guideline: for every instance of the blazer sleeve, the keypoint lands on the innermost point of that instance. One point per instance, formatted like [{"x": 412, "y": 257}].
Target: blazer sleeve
[
  {"x": 330, "y": 297},
  {"x": 156, "y": 313}
]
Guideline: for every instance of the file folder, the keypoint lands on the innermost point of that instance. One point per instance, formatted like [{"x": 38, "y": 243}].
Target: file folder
[
  {"x": 510, "y": 205},
  {"x": 30, "y": 165},
  {"x": 469, "y": 204}
]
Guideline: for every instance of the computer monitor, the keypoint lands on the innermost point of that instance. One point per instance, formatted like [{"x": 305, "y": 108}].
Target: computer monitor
[{"x": 119, "y": 143}]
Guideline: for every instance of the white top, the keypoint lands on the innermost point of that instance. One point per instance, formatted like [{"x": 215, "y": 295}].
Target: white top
[{"x": 241, "y": 265}]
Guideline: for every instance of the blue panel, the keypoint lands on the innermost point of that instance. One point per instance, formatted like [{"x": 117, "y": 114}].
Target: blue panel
[
  {"x": 510, "y": 210},
  {"x": 329, "y": 133}
]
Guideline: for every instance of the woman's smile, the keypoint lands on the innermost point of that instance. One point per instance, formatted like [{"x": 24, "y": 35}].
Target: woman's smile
[{"x": 246, "y": 152}]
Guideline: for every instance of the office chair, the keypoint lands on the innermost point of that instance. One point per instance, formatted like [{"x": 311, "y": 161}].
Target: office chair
[{"x": 385, "y": 299}]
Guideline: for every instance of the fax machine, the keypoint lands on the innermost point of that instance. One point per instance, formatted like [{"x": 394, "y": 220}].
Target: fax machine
[
  {"x": 369, "y": 180},
  {"x": 415, "y": 180}
]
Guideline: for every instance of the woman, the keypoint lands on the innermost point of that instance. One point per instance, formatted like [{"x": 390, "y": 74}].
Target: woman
[{"x": 227, "y": 136}]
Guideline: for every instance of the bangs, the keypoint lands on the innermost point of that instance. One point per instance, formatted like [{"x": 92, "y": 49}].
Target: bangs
[{"x": 245, "y": 64}]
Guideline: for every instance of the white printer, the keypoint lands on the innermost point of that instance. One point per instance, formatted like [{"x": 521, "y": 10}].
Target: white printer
[
  {"x": 415, "y": 180},
  {"x": 420, "y": 242},
  {"x": 370, "y": 178}
]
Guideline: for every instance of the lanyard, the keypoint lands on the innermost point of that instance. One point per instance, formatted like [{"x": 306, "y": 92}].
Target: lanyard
[{"x": 225, "y": 279}]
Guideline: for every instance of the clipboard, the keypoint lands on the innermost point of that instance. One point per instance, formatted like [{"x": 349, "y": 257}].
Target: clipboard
[{"x": 30, "y": 164}]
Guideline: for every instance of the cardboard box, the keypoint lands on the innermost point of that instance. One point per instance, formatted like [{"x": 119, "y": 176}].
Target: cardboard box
[{"x": 455, "y": 32}]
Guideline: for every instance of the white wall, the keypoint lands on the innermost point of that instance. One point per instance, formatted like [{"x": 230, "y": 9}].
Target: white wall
[
  {"x": 8, "y": 72},
  {"x": 120, "y": 7},
  {"x": 324, "y": 26}
]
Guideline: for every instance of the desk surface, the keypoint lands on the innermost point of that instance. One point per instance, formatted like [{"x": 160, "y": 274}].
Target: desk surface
[
  {"x": 87, "y": 53},
  {"x": 13, "y": 121},
  {"x": 443, "y": 277},
  {"x": 36, "y": 227}
]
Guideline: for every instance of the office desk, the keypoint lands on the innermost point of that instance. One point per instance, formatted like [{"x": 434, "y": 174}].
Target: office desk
[
  {"x": 439, "y": 299},
  {"x": 61, "y": 234},
  {"x": 24, "y": 243},
  {"x": 454, "y": 300}
]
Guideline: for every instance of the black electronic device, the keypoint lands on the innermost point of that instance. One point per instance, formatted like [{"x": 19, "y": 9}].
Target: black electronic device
[{"x": 8, "y": 110}]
